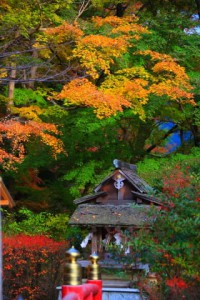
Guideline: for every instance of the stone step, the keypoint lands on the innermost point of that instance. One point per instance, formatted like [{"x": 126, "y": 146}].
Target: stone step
[{"x": 116, "y": 283}]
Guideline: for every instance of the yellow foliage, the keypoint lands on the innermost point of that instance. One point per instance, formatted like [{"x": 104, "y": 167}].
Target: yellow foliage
[
  {"x": 30, "y": 113},
  {"x": 135, "y": 72},
  {"x": 60, "y": 38},
  {"x": 96, "y": 53},
  {"x": 134, "y": 91},
  {"x": 114, "y": 21},
  {"x": 169, "y": 78},
  {"x": 129, "y": 87},
  {"x": 43, "y": 50},
  {"x": 3, "y": 73}
]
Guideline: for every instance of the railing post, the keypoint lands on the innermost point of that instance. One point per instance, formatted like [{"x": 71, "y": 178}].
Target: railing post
[
  {"x": 73, "y": 288},
  {"x": 93, "y": 270},
  {"x": 94, "y": 275},
  {"x": 73, "y": 270}
]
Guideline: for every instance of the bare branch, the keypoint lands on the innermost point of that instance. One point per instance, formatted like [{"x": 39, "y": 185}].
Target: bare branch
[{"x": 83, "y": 7}]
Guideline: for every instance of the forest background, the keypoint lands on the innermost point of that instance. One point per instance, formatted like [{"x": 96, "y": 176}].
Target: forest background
[{"x": 85, "y": 82}]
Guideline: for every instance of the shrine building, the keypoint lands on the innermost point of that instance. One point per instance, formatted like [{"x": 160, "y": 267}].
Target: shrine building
[{"x": 122, "y": 201}]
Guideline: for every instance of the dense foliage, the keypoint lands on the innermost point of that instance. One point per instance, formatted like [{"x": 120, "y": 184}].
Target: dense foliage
[
  {"x": 171, "y": 246},
  {"x": 85, "y": 82},
  {"x": 32, "y": 266},
  {"x": 70, "y": 62}
]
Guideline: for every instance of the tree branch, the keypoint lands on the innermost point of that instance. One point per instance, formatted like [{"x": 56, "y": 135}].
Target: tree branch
[{"x": 172, "y": 130}]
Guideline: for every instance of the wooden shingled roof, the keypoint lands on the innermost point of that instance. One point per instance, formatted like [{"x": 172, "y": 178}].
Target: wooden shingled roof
[
  {"x": 89, "y": 197},
  {"x": 110, "y": 215},
  {"x": 131, "y": 175},
  {"x": 148, "y": 198},
  {"x": 128, "y": 171},
  {"x": 5, "y": 197}
]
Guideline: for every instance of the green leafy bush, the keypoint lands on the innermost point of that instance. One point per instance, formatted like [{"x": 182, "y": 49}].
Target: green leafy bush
[
  {"x": 28, "y": 96},
  {"x": 27, "y": 222},
  {"x": 171, "y": 246}
]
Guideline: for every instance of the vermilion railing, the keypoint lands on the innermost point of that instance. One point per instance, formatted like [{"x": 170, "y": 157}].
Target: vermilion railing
[{"x": 91, "y": 290}]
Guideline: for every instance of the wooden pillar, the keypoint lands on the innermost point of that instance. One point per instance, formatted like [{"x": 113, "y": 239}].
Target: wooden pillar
[
  {"x": 94, "y": 240},
  {"x": 99, "y": 238}
]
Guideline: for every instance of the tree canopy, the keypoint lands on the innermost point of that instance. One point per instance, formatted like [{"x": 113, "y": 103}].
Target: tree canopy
[
  {"x": 85, "y": 82},
  {"x": 83, "y": 79}
]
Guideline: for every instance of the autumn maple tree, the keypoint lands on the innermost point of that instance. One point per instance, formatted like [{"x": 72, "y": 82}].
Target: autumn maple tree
[
  {"x": 102, "y": 65},
  {"x": 16, "y": 134},
  {"x": 108, "y": 86}
]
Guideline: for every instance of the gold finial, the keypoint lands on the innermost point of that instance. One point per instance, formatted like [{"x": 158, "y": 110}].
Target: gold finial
[
  {"x": 93, "y": 270},
  {"x": 73, "y": 270}
]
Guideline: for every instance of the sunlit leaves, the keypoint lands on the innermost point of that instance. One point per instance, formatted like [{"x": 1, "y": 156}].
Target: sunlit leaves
[
  {"x": 64, "y": 31},
  {"x": 83, "y": 92},
  {"x": 15, "y": 134},
  {"x": 96, "y": 53},
  {"x": 99, "y": 54},
  {"x": 30, "y": 113}
]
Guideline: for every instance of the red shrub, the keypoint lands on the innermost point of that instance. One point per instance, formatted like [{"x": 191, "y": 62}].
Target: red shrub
[
  {"x": 176, "y": 283},
  {"x": 175, "y": 181},
  {"x": 32, "y": 266}
]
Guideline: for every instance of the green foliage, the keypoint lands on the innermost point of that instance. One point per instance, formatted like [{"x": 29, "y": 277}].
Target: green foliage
[
  {"x": 26, "y": 97},
  {"x": 171, "y": 245},
  {"x": 152, "y": 169},
  {"x": 27, "y": 222},
  {"x": 3, "y": 105},
  {"x": 75, "y": 235},
  {"x": 171, "y": 37},
  {"x": 54, "y": 113},
  {"x": 54, "y": 226},
  {"x": 82, "y": 178}
]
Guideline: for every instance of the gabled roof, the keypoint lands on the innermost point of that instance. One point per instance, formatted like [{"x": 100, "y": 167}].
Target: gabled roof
[
  {"x": 146, "y": 197},
  {"x": 5, "y": 197},
  {"x": 110, "y": 215},
  {"x": 140, "y": 185},
  {"x": 89, "y": 197},
  {"x": 136, "y": 181}
]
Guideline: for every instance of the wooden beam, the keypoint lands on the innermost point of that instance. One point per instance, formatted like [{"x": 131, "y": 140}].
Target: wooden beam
[{"x": 5, "y": 197}]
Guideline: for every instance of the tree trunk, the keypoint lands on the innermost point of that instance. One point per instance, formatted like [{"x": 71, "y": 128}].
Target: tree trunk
[
  {"x": 196, "y": 133},
  {"x": 11, "y": 86},
  {"x": 33, "y": 71},
  {"x": 25, "y": 79},
  {"x": 120, "y": 9}
]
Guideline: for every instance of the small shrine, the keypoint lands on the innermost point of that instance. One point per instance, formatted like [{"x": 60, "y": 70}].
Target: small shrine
[
  {"x": 122, "y": 201},
  {"x": 5, "y": 197}
]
